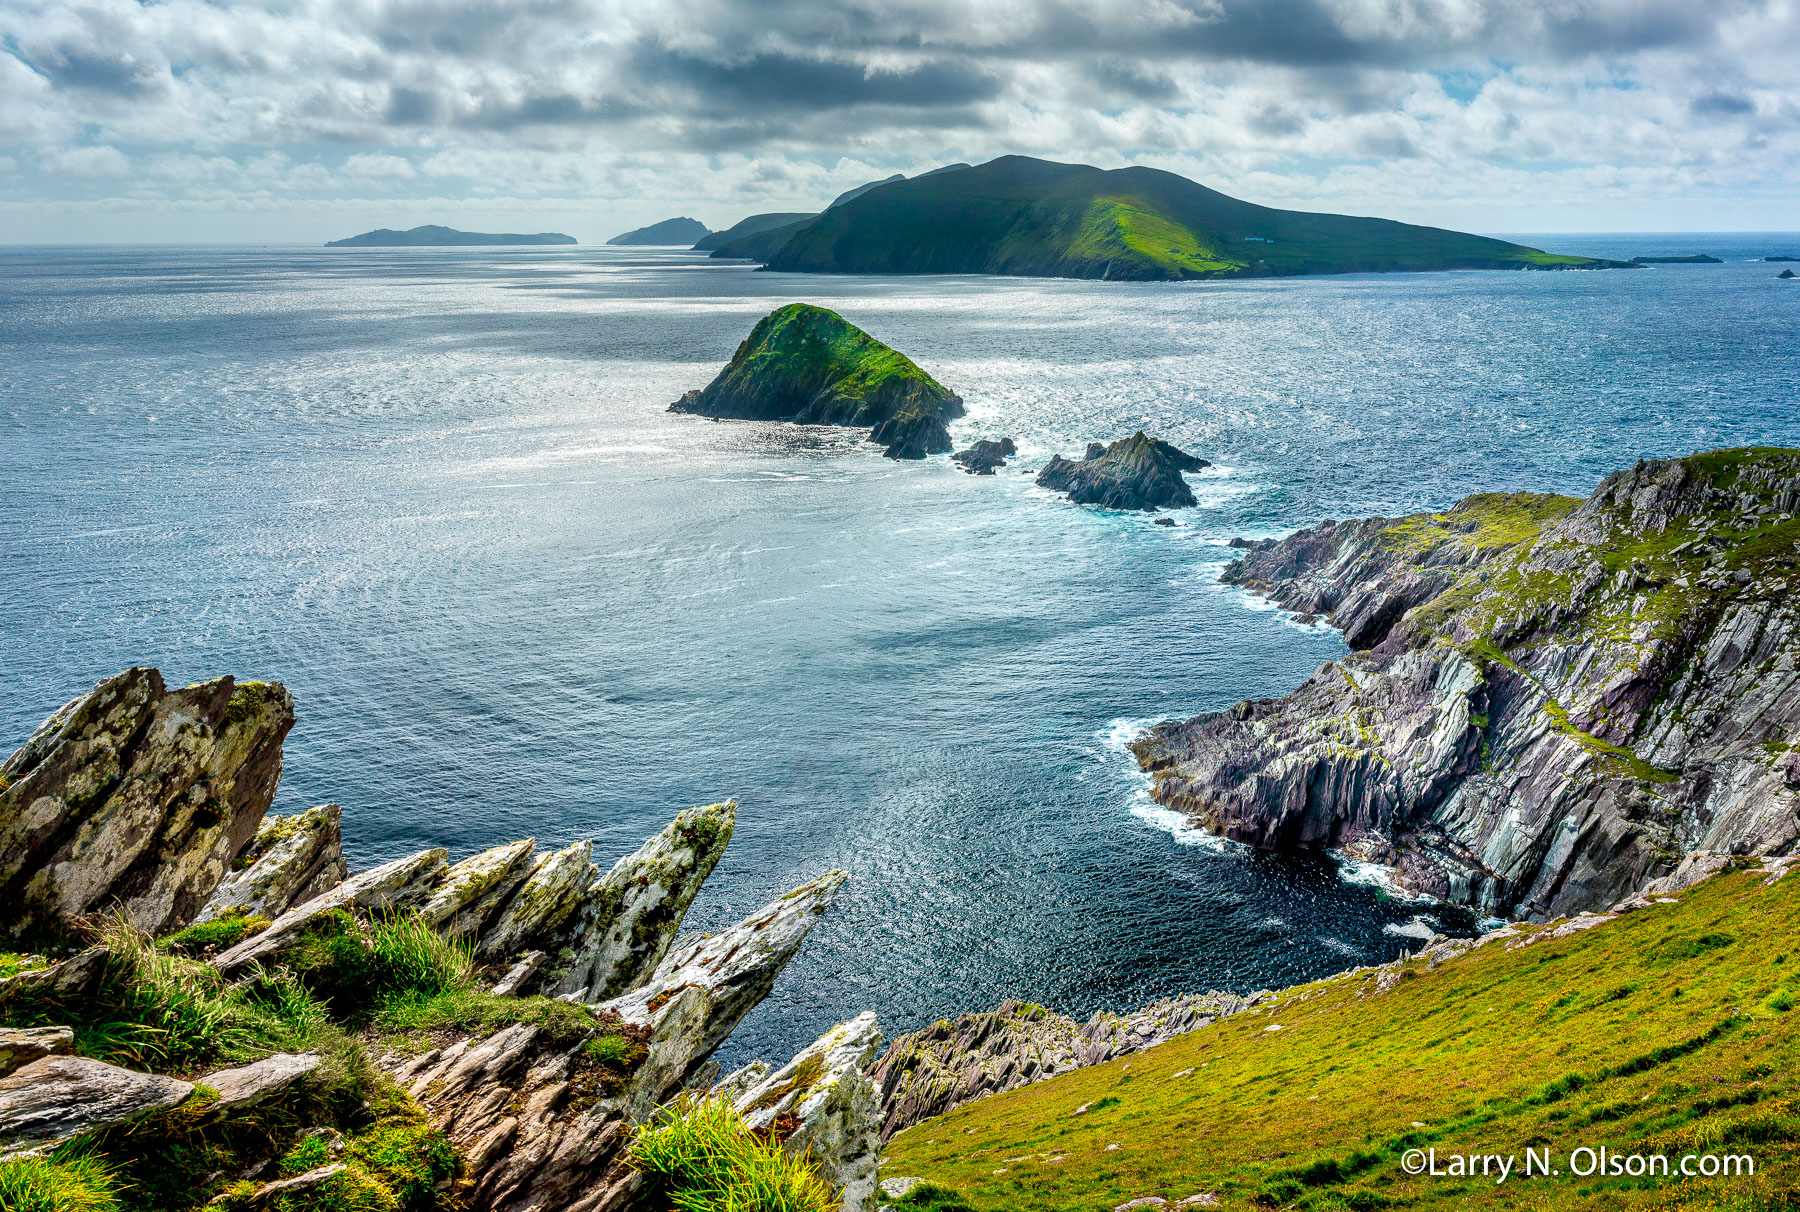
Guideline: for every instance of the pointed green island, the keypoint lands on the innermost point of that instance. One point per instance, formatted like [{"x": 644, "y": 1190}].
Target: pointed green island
[
  {"x": 810, "y": 366},
  {"x": 1036, "y": 218}
]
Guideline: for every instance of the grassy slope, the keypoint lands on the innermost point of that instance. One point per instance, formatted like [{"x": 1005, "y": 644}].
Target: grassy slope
[
  {"x": 1022, "y": 216},
  {"x": 1666, "y": 1030}
]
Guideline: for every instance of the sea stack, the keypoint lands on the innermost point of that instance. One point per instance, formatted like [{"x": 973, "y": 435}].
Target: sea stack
[
  {"x": 984, "y": 457},
  {"x": 1139, "y": 472},
  {"x": 810, "y": 366}
]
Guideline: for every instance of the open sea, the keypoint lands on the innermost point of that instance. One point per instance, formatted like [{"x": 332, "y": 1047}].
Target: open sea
[{"x": 436, "y": 492}]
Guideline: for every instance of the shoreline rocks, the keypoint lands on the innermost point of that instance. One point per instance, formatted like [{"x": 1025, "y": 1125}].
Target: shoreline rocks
[
  {"x": 1139, "y": 472},
  {"x": 1550, "y": 700}
]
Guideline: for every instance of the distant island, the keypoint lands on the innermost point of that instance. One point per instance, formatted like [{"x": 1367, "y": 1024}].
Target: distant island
[
  {"x": 431, "y": 235},
  {"x": 813, "y": 367},
  {"x": 682, "y": 231},
  {"x": 754, "y": 225},
  {"x": 1692, "y": 259},
  {"x": 1018, "y": 215}
]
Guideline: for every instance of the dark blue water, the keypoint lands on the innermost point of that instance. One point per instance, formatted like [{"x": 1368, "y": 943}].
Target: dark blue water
[{"x": 437, "y": 494}]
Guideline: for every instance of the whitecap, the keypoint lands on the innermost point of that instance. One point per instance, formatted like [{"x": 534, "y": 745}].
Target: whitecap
[{"x": 1378, "y": 877}]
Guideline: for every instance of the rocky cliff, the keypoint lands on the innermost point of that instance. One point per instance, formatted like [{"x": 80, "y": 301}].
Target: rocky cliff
[
  {"x": 487, "y": 1032},
  {"x": 810, "y": 366},
  {"x": 1550, "y": 701}
]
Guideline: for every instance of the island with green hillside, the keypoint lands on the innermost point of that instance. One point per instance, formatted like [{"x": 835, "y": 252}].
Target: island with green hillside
[
  {"x": 754, "y": 225},
  {"x": 1036, "y": 218},
  {"x": 810, "y": 366},
  {"x": 433, "y": 236},
  {"x": 681, "y": 231}
]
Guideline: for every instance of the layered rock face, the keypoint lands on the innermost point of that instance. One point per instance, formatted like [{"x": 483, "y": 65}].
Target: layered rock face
[
  {"x": 1139, "y": 472},
  {"x": 810, "y": 366},
  {"x": 949, "y": 1063},
  {"x": 1552, "y": 700},
  {"x": 136, "y": 797}
]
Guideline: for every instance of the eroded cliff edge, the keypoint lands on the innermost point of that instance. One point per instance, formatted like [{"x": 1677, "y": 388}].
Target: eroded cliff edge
[{"x": 1550, "y": 701}]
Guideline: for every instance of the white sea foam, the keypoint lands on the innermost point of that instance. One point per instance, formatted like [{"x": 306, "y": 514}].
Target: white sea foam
[
  {"x": 1116, "y": 737},
  {"x": 1378, "y": 877},
  {"x": 1420, "y": 928}
]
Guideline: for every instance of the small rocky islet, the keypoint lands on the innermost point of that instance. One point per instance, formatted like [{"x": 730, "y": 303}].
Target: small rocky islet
[
  {"x": 809, "y": 366},
  {"x": 1139, "y": 472}
]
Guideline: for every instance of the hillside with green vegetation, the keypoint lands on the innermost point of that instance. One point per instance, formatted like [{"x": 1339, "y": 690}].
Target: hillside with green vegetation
[
  {"x": 1017, "y": 215},
  {"x": 1667, "y": 1030},
  {"x": 754, "y": 225},
  {"x": 810, "y": 366}
]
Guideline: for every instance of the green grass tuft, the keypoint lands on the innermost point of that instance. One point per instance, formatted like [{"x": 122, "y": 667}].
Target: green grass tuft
[
  {"x": 70, "y": 1180},
  {"x": 698, "y": 1156},
  {"x": 221, "y": 932}
]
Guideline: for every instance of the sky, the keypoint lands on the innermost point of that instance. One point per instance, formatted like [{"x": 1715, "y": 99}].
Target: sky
[{"x": 305, "y": 120}]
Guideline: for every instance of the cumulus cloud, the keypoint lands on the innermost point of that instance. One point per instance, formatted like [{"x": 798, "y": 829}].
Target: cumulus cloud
[{"x": 639, "y": 105}]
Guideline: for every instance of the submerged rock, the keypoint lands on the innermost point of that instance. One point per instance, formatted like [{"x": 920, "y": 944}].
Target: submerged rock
[
  {"x": 1139, "y": 472},
  {"x": 1550, "y": 702},
  {"x": 138, "y": 798},
  {"x": 986, "y": 456},
  {"x": 1786, "y": 273},
  {"x": 825, "y": 1105},
  {"x": 810, "y": 366}
]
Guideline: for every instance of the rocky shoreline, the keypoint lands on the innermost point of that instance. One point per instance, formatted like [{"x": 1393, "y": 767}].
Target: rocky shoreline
[{"x": 1550, "y": 701}]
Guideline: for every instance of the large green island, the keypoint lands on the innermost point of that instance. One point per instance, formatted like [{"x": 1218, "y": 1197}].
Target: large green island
[{"x": 1035, "y": 218}]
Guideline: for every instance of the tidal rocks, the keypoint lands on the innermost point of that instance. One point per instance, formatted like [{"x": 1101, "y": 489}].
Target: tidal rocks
[
  {"x": 986, "y": 456},
  {"x": 59, "y": 1098},
  {"x": 1786, "y": 273},
  {"x": 1139, "y": 472},
  {"x": 950, "y": 1063},
  {"x": 1552, "y": 700},
  {"x": 291, "y": 860},
  {"x": 827, "y": 1106},
  {"x": 807, "y": 365},
  {"x": 138, "y": 798}
]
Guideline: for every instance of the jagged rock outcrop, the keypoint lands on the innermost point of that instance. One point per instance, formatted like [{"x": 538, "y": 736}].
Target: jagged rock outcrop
[
  {"x": 633, "y": 913},
  {"x": 136, "y": 797},
  {"x": 951, "y": 1063},
  {"x": 825, "y": 1105},
  {"x": 1139, "y": 472},
  {"x": 474, "y": 890},
  {"x": 810, "y": 366},
  {"x": 986, "y": 456},
  {"x": 59, "y": 1098},
  {"x": 291, "y": 860},
  {"x": 543, "y": 1125},
  {"x": 1553, "y": 700},
  {"x": 551, "y": 894}
]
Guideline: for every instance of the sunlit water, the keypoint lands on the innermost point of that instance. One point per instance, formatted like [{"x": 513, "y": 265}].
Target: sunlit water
[{"x": 436, "y": 493}]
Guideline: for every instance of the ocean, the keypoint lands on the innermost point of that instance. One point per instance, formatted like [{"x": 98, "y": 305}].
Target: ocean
[{"x": 437, "y": 494}]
